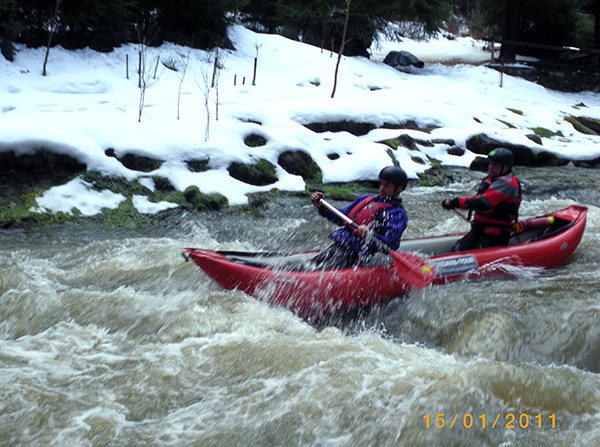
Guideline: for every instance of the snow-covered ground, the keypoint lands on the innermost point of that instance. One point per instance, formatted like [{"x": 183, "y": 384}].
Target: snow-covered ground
[{"x": 86, "y": 105}]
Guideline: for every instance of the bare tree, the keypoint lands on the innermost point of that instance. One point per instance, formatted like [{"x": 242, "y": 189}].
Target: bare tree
[
  {"x": 171, "y": 64},
  {"x": 218, "y": 65},
  {"x": 208, "y": 82},
  {"x": 144, "y": 68},
  {"x": 257, "y": 46},
  {"x": 50, "y": 34},
  {"x": 337, "y": 65},
  {"x": 204, "y": 85}
]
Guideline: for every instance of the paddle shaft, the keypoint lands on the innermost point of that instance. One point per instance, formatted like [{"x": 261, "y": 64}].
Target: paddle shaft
[
  {"x": 458, "y": 213},
  {"x": 416, "y": 272},
  {"x": 383, "y": 247}
]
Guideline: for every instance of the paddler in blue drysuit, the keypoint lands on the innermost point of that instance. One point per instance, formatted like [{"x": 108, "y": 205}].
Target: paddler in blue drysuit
[
  {"x": 496, "y": 204},
  {"x": 381, "y": 216}
]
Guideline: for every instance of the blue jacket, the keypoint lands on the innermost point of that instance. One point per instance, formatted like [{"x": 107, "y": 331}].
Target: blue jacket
[{"x": 388, "y": 225}]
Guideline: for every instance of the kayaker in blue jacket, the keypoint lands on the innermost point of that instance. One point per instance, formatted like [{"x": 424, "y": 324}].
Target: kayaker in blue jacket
[{"x": 381, "y": 216}]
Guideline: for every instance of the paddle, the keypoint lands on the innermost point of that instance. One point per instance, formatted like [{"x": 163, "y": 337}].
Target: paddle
[{"x": 417, "y": 272}]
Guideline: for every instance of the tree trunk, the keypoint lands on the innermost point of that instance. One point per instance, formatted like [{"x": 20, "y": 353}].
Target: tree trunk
[
  {"x": 510, "y": 30},
  {"x": 50, "y": 33},
  {"x": 337, "y": 65}
]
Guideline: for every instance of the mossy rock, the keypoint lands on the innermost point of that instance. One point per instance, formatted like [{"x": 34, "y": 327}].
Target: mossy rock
[
  {"x": 301, "y": 163},
  {"x": 507, "y": 124},
  {"x": 16, "y": 211},
  {"x": 255, "y": 140},
  {"x": 515, "y": 111},
  {"x": 455, "y": 150},
  {"x": 446, "y": 141},
  {"x": 435, "y": 176},
  {"x": 200, "y": 201},
  {"x": 139, "y": 162},
  {"x": 585, "y": 125},
  {"x": 162, "y": 184},
  {"x": 45, "y": 168},
  {"x": 409, "y": 124},
  {"x": 353, "y": 127},
  {"x": 545, "y": 133},
  {"x": 482, "y": 144},
  {"x": 198, "y": 165},
  {"x": 403, "y": 140},
  {"x": 535, "y": 138},
  {"x": 259, "y": 174},
  {"x": 479, "y": 164}
]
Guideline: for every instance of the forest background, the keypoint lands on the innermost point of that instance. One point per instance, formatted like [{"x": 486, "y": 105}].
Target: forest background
[{"x": 202, "y": 24}]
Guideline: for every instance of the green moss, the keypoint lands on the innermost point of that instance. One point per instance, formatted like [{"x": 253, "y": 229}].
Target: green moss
[
  {"x": 545, "y": 133},
  {"x": 255, "y": 140},
  {"x": 349, "y": 191},
  {"x": 200, "y": 201},
  {"x": 119, "y": 185},
  {"x": 260, "y": 174},
  {"x": 301, "y": 163},
  {"x": 580, "y": 127},
  {"x": 515, "y": 111},
  {"x": 17, "y": 211},
  {"x": 507, "y": 124},
  {"x": 162, "y": 184}
]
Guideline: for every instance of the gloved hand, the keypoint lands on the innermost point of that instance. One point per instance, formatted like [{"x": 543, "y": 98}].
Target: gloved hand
[
  {"x": 451, "y": 203},
  {"x": 517, "y": 226}
]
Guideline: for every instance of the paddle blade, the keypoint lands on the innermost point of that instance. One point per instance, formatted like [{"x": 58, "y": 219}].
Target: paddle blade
[{"x": 416, "y": 272}]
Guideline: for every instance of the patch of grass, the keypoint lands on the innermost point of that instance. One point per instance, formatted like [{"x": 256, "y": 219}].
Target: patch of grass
[
  {"x": 507, "y": 124},
  {"x": 349, "y": 191},
  {"x": 17, "y": 211},
  {"x": 515, "y": 111},
  {"x": 545, "y": 133},
  {"x": 579, "y": 127}
]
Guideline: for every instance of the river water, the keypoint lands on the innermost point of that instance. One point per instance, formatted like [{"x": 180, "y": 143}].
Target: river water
[{"x": 107, "y": 338}]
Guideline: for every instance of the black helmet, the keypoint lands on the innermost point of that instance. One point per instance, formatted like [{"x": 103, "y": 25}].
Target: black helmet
[
  {"x": 502, "y": 156},
  {"x": 394, "y": 175}
]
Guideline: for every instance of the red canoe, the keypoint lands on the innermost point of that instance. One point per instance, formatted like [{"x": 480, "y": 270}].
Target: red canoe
[{"x": 291, "y": 281}]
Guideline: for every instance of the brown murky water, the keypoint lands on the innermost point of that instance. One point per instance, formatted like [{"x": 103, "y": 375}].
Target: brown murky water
[{"x": 109, "y": 338}]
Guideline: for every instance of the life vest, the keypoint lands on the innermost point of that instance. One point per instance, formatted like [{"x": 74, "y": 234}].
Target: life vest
[
  {"x": 504, "y": 213},
  {"x": 367, "y": 210}
]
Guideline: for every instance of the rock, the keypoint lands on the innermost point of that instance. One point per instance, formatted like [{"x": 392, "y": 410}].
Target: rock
[
  {"x": 585, "y": 125},
  {"x": 42, "y": 168},
  {"x": 535, "y": 138},
  {"x": 455, "y": 150},
  {"x": 401, "y": 60},
  {"x": 201, "y": 201},
  {"x": 355, "y": 128},
  {"x": 300, "y": 163},
  {"x": 255, "y": 140},
  {"x": 482, "y": 144},
  {"x": 139, "y": 162},
  {"x": 260, "y": 174},
  {"x": 197, "y": 165}
]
